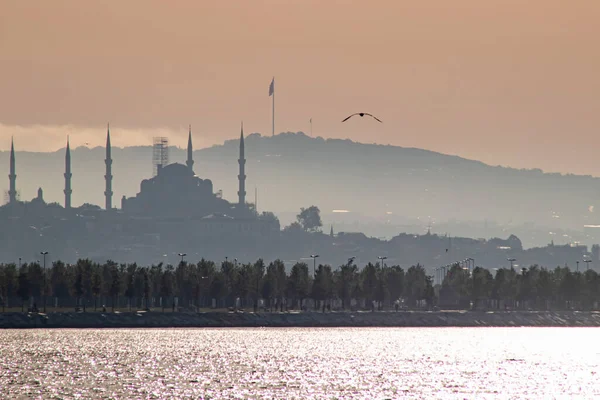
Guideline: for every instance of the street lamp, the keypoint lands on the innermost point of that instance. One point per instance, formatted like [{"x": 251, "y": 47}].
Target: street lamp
[
  {"x": 511, "y": 260},
  {"x": 587, "y": 262},
  {"x": 577, "y": 262},
  {"x": 182, "y": 255},
  {"x": 202, "y": 280},
  {"x": 257, "y": 287},
  {"x": 314, "y": 257},
  {"x": 382, "y": 259},
  {"x": 44, "y": 253}
]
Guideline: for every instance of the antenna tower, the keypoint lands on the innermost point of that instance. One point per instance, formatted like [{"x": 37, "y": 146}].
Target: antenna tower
[{"x": 160, "y": 153}]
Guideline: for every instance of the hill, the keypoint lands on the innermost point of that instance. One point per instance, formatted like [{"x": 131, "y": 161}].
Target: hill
[{"x": 389, "y": 184}]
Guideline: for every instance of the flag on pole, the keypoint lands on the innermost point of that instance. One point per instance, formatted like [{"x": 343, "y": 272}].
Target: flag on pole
[{"x": 272, "y": 87}]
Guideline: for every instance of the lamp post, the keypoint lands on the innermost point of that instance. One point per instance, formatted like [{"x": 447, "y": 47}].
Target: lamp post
[
  {"x": 182, "y": 255},
  {"x": 257, "y": 288},
  {"x": 511, "y": 260},
  {"x": 202, "y": 280},
  {"x": 381, "y": 260},
  {"x": 587, "y": 262},
  {"x": 44, "y": 253},
  {"x": 577, "y": 263},
  {"x": 314, "y": 257}
]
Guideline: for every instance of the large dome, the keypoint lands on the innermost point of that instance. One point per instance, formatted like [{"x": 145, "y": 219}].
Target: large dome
[{"x": 176, "y": 170}]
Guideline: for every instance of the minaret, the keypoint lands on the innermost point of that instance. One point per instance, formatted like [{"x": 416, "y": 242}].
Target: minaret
[
  {"x": 12, "y": 177},
  {"x": 68, "y": 175},
  {"x": 190, "y": 159},
  {"x": 242, "y": 175},
  {"x": 108, "y": 177}
]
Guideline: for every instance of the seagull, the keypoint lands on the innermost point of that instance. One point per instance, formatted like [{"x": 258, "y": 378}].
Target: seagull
[{"x": 362, "y": 115}]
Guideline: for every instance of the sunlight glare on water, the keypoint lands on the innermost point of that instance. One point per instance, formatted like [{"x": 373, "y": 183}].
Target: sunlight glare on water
[{"x": 301, "y": 363}]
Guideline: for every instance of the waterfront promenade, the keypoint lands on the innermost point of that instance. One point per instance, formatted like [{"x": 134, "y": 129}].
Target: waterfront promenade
[{"x": 215, "y": 319}]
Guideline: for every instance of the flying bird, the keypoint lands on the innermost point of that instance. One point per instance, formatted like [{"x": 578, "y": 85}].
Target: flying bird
[{"x": 362, "y": 115}]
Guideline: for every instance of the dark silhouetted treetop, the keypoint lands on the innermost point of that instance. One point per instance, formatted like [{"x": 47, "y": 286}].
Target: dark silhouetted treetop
[{"x": 310, "y": 218}]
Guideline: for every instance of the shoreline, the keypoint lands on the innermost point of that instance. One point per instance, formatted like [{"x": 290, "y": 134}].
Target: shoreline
[{"x": 413, "y": 319}]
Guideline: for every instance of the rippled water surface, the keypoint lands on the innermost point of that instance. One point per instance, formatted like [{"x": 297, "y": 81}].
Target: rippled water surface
[{"x": 297, "y": 363}]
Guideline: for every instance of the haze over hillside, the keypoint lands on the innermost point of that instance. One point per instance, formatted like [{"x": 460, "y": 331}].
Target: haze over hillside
[
  {"x": 505, "y": 82},
  {"x": 388, "y": 184}
]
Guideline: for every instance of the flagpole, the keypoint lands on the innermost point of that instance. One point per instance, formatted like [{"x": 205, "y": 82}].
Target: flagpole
[{"x": 273, "y": 126}]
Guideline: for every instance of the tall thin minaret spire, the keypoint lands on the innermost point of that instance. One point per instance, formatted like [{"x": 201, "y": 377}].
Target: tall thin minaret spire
[
  {"x": 68, "y": 175},
  {"x": 12, "y": 177},
  {"x": 108, "y": 177},
  {"x": 190, "y": 151},
  {"x": 242, "y": 175}
]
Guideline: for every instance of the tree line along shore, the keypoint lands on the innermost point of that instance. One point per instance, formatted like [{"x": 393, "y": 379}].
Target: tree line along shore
[{"x": 258, "y": 286}]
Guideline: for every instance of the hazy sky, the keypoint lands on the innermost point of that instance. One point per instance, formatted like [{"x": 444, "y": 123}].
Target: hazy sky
[{"x": 504, "y": 81}]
